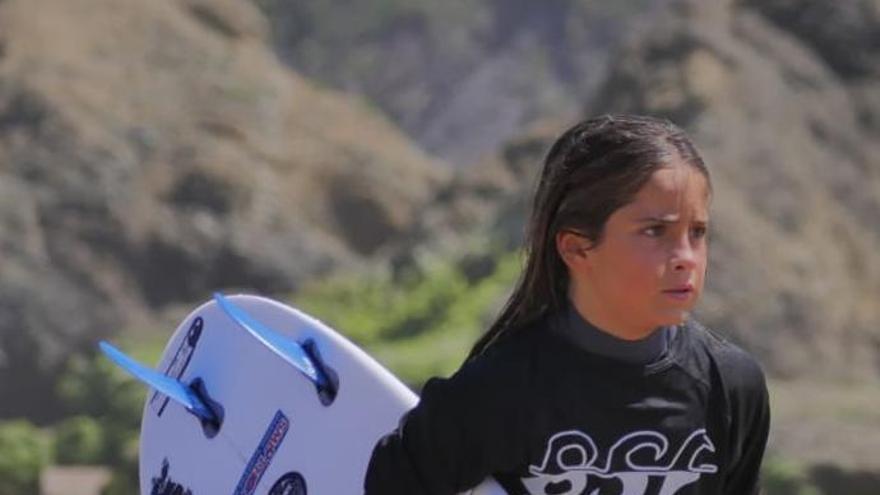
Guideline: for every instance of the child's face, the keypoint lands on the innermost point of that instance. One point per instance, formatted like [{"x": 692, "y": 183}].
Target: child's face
[{"x": 653, "y": 245}]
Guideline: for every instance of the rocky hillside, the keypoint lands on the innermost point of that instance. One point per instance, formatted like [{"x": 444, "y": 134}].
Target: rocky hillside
[
  {"x": 151, "y": 152},
  {"x": 459, "y": 76}
]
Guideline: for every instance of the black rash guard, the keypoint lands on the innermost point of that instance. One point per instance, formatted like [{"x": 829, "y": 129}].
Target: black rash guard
[
  {"x": 544, "y": 415},
  {"x": 572, "y": 326}
]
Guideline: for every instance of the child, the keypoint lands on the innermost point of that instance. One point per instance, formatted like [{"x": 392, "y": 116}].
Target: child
[{"x": 594, "y": 379}]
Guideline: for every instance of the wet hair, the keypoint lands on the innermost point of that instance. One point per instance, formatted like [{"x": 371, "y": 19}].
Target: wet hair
[{"x": 594, "y": 168}]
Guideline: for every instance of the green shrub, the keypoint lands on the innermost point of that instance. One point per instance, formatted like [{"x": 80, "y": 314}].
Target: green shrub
[
  {"x": 79, "y": 440},
  {"x": 420, "y": 325},
  {"x": 23, "y": 455},
  {"x": 95, "y": 390},
  {"x": 106, "y": 404},
  {"x": 95, "y": 387}
]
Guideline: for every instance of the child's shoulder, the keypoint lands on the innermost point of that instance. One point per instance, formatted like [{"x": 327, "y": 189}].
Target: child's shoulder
[
  {"x": 508, "y": 360},
  {"x": 737, "y": 367}
]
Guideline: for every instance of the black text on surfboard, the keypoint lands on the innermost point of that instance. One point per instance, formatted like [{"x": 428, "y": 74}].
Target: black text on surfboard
[
  {"x": 164, "y": 485},
  {"x": 179, "y": 362}
]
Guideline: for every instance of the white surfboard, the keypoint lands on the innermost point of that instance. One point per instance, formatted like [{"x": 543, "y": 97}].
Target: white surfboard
[{"x": 266, "y": 427}]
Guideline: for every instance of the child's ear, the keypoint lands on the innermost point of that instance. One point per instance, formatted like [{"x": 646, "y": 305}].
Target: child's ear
[{"x": 572, "y": 248}]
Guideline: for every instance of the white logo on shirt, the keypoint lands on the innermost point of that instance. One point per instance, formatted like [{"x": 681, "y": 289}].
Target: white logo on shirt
[{"x": 573, "y": 465}]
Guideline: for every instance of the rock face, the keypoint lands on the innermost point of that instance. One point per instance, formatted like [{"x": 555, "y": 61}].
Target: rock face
[{"x": 151, "y": 152}]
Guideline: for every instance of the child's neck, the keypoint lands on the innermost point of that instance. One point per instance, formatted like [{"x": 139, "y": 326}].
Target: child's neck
[
  {"x": 588, "y": 310},
  {"x": 590, "y": 338}
]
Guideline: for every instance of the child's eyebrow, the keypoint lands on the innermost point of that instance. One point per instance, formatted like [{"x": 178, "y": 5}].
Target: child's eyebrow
[
  {"x": 667, "y": 219},
  {"x": 663, "y": 219}
]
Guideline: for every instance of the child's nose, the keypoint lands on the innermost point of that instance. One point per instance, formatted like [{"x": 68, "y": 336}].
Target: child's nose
[{"x": 683, "y": 256}]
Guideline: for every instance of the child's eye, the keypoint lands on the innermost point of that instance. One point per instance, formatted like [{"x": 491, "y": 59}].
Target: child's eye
[
  {"x": 655, "y": 231},
  {"x": 700, "y": 231}
]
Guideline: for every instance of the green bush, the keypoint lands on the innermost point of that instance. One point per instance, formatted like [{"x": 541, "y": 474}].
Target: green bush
[
  {"x": 95, "y": 387},
  {"x": 79, "y": 440},
  {"x": 106, "y": 406},
  {"x": 420, "y": 325},
  {"x": 23, "y": 455},
  {"x": 96, "y": 391}
]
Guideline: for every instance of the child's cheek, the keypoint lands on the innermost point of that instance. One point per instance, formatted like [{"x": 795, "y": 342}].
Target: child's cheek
[{"x": 644, "y": 268}]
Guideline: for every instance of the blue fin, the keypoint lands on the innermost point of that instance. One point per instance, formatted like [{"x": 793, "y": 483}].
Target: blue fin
[
  {"x": 174, "y": 389},
  {"x": 285, "y": 347}
]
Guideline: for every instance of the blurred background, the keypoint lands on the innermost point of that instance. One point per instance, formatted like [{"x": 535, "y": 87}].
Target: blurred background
[{"x": 371, "y": 163}]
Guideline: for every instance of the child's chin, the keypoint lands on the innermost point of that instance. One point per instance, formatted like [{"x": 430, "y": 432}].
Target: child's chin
[{"x": 673, "y": 318}]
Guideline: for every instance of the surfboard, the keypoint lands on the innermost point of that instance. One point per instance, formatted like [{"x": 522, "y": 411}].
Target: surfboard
[{"x": 252, "y": 396}]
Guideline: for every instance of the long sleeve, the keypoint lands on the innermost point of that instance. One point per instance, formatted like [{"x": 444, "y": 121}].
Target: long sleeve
[
  {"x": 751, "y": 425},
  {"x": 462, "y": 430},
  {"x": 418, "y": 458}
]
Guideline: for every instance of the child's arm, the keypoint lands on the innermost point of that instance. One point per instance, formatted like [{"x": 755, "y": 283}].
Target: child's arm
[
  {"x": 419, "y": 456},
  {"x": 463, "y": 430}
]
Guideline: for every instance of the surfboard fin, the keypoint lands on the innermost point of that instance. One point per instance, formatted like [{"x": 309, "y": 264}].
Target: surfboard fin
[
  {"x": 287, "y": 348},
  {"x": 176, "y": 390}
]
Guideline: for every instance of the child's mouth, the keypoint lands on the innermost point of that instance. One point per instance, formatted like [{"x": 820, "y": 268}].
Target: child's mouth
[{"x": 681, "y": 292}]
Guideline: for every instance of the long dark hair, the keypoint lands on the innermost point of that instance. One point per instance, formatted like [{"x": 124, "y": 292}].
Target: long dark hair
[{"x": 594, "y": 168}]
